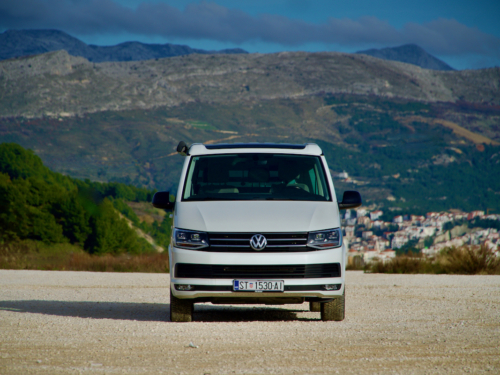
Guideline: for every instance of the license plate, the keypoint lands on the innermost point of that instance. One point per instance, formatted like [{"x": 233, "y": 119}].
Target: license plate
[{"x": 258, "y": 285}]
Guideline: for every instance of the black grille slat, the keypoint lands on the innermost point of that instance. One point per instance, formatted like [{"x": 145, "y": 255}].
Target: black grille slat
[
  {"x": 287, "y": 271},
  {"x": 248, "y": 249}
]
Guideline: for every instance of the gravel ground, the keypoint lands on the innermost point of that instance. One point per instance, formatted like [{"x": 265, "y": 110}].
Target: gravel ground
[{"x": 83, "y": 322}]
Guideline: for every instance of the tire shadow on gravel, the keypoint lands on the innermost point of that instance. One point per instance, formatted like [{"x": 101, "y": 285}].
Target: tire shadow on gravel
[
  {"x": 93, "y": 310},
  {"x": 155, "y": 312}
]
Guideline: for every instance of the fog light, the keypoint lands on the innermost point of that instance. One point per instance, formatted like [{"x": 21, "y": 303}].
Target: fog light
[
  {"x": 184, "y": 287},
  {"x": 332, "y": 286}
]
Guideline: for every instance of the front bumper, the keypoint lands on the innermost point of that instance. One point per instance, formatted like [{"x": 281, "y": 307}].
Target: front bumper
[{"x": 207, "y": 287}]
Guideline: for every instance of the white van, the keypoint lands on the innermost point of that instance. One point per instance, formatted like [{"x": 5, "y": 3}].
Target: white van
[{"x": 256, "y": 223}]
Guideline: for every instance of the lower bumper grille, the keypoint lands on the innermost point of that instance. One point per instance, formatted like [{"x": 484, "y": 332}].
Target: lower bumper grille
[
  {"x": 287, "y": 271},
  {"x": 288, "y": 288}
]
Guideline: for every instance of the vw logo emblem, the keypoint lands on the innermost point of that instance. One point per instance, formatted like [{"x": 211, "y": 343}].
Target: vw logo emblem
[{"x": 258, "y": 242}]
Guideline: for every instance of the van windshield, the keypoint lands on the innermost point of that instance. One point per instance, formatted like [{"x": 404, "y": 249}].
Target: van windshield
[{"x": 256, "y": 177}]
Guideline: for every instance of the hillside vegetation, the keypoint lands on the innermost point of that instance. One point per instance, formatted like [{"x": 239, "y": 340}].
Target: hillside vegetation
[
  {"x": 391, "y": 149},
  {"x": 40, "y": 205}
]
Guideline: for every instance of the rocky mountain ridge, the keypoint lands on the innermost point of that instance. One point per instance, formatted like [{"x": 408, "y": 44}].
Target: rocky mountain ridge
[
  {"x": 17, "y": 43},
  {"x": 410, "y": 54},
  {"x": 58, "y": 84}
]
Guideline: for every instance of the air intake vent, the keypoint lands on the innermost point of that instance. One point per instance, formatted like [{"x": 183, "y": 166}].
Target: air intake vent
[{"x": 287, "y": 271}]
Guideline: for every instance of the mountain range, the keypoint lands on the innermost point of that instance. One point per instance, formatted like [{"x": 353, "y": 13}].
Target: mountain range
[
  {"x": 410, "y": 54},
  {"x": 17, "y": 43}
]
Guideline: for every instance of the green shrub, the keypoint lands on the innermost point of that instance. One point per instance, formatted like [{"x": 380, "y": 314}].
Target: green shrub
[
  {"x": 400, "y": 264},
  {"x": 465, "y": 260},
  {"x": 36, "y": 255},
  {"x": 469, "y": 260}
]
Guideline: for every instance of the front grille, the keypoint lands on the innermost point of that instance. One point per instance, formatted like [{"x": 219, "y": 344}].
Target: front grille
[
  {"x": 240, "y": 242},
  {"x": 286, "y": 271}
]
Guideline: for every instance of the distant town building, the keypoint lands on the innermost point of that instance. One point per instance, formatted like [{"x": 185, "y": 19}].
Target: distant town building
[
  {"x": 366, "y": 234},
  {"x": 475, "y": 214},
  {"x": 459, "y": 216},
  {"x": 417, "y": 219},
  {"x": 372, "y": 247},
  {"x": 399, "y": 240},
  {"x": 414, "y": 232},
  {"x": 375, "y": 214},
  {"x": 388, "y": 234},
  {"x": 429, "y": 231},
  {"x": 387, "y": 254},
  {"x": 370, "y": 255},
  {"x": 365, "y": 220},
  {"x": 361, "y": 212},
  {"x": 351, "y": 221},
  {"x": 349, "y": 231}
]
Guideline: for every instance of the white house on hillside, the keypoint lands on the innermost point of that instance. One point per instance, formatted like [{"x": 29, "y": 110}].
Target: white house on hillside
[
  {"x": 375, "y": 215},
  {"x": 399, "y": 239}
]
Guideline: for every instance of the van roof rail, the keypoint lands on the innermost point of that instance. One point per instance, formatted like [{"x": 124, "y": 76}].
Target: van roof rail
[
  {"x": 304, "y": 149},
  {"x": 256, "y": 145}
]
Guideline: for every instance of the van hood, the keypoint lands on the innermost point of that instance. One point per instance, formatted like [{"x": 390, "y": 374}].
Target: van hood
[{"x": 256, "y": 216}]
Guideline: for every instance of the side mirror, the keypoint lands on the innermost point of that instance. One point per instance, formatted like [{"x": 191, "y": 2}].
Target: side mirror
[
  {"x": 351, "y": 199},
  {"x": 182, "y": 148},
  {"x": 161, "y": 199}
]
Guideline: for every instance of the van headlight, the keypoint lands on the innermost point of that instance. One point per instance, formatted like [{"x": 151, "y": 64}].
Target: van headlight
[
  {"x": 187, "y": 239},
  {"x": 325, "y": 239}
]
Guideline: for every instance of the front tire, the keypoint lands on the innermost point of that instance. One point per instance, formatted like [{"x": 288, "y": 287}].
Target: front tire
[
  {"x": 334, "y": 310},
  {"x": 181, "y": 310}
]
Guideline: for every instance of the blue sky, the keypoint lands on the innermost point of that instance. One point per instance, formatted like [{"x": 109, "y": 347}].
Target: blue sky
[{"x": 465, "y": 34}]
